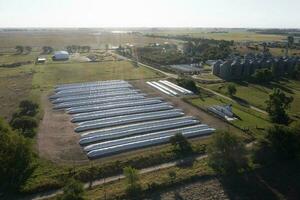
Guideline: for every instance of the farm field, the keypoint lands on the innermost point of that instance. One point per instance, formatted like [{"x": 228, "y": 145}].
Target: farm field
[
  {"x": 29, "y": 81},
  {"x": 258, "y": 94},
  {"x": 60, "y": 38},
  {"x": 15, "y": 86},
  {"x": 238, "y": 35}
]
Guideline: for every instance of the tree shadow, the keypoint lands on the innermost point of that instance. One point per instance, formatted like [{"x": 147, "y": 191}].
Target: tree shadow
[
  {"x": 241, "y": 101},
  {"x": 177, "y": 196},
  {"x": 280, "y": 86},
  {"x": 274, "y": 182},
  {"x": 186, "y": 162}
]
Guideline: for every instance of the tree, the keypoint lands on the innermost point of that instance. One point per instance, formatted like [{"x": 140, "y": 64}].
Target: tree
[
  {"x": 262, "y": 75},
  {"x": 28, "y": 49},
  {"x": 47, "y": 50},
  {"x": 25, "y": 124},
  {"x": 277, "y": 105},
  {"x": 132, "y": 179},
  {"x": 188, "y": 84},
  {"x": 16, "y": 156},
  {"x": 20, "y": 49},
  {"x": 181, "y": 145},
  {"x": 290, "y": 42},
  {"x": 73, "y": 191},
  {"x": 23, "y": 120},
  {"x": 231, "y": 89},
  {"x": 172, "y": 175},
  {"x": 279, "y": 143},
  {"x": 226, "y": 153},
  {"x": 28, "y": 108}
]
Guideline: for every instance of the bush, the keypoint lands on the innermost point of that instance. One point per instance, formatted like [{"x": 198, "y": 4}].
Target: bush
[
  {"x": 28, "y": 108},
  {"x": 226, "y": 153},
  {"x": 280, "y": 143},
  {"x": 231, "y": 89},
  {"x": 24, "y": 119},
  {"x": 181, "y": 145},
  {"x": 188, "y": 84},
  {"x": 16, "y": 156},
  {"x": 73, "y": 191},
  {"x": 133, "y": 188},
  {"x": 262, "y": 75},
  {"x": 25, "y": 124}
]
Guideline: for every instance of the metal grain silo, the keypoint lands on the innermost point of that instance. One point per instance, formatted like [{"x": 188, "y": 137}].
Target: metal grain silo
[
  {"x": 236, "y": 69},
  {"x": 216, "y": 68},
  {"x": 225, "y": 71}
]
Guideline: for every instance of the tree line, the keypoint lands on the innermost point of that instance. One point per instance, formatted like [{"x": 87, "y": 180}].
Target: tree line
[{"x": 48, "y": 49}]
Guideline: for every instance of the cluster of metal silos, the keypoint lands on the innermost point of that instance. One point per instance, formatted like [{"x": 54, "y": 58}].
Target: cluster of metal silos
[{"x": 238, "y": 68}]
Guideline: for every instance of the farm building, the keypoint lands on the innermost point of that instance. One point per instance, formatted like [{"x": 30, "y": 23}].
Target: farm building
[
  {"x": 40, "y": 60},
  {"x": 187, "y": 68},
  {"x": 61, "y": 55}
]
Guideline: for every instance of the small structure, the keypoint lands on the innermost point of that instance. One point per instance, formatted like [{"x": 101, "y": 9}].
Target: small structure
[
  {"x": 187, "y": 68},
  {"x": 61, "y": 55},
  {"x": 40, "y": 60},
  {"x": 224, "y": 112}
]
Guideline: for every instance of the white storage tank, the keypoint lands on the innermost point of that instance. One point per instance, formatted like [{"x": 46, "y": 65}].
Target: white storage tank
[{"x": 61, "y": 55}]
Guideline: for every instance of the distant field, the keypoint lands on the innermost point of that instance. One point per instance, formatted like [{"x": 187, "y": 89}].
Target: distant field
[
  {"x": 30, "y": 81},
  {"x": 234, "y": 35},
  {"x": 257, "y": 94},
  {"x": 60, "y": 39}
]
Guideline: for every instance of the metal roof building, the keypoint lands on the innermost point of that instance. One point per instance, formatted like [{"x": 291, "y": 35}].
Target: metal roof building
[{"x": 61, "y": 55}]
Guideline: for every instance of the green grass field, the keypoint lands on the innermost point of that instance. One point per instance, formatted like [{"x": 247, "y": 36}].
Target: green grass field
[
  {"x": 249, "y": 119},
  {"x": 29, "y": 81},
  {"x": 49, "y": 75},
  {"x": 258, "y": 94}
]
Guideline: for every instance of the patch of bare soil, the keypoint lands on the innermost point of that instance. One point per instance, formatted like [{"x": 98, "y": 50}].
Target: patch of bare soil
[
  {"x": 208, "y": 189},
  {"x": 56, "y": 139},
  {"x": 187, "y": 108}
]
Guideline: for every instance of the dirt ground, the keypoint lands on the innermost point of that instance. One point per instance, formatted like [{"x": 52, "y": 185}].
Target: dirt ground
[
  {"x": 187, "y": 108},
  {"x": 206, "y": 189},
  {"x": 56, "y": 138},
  {"x": 58, "y": 142}
]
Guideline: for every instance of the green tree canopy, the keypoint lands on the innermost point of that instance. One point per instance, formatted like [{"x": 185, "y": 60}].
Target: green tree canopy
[
  {"x": 19, "y": 49},
  {"x": 188, "y": 84},
  {"x": 226, "y": 153},
  {"x": 73, "y": 191},
  {"x": 277, "y": 105},
  {"x": 231, "y": 89},
  {"x": 181, "y": 145},
  {"x": 262, "y": 75},
  {"x": 16, "y": 156},
  {"x": 132, "y": 179},
  {"x": 28, "y": 108},
  {"x": 279, "y": 143},
  {"x": 25, "y": 124}
]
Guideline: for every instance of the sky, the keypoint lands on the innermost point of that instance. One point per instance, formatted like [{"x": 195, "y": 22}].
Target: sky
[{"x": 151, "y": 13}]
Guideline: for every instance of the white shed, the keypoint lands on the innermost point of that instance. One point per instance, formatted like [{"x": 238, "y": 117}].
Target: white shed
[{"x": 61, "y": 55}]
